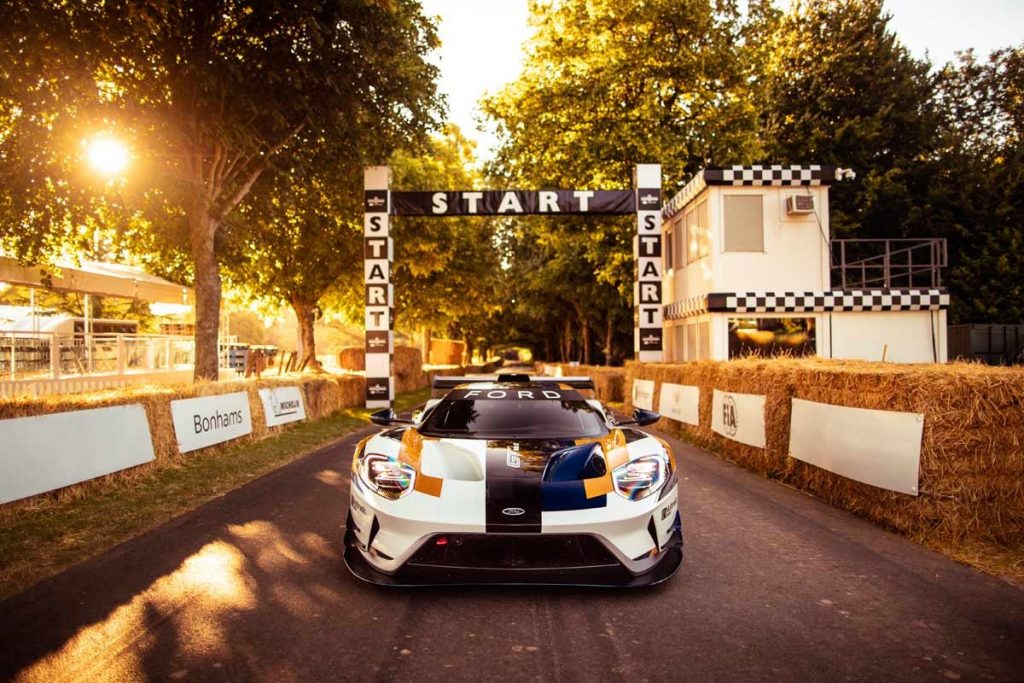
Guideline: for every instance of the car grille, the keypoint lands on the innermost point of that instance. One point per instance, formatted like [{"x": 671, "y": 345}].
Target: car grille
[{"x": 513, "y": 551}]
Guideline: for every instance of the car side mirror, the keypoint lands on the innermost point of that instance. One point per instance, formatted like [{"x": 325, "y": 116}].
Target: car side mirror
[
  {"x": 641, "y": 417},
  {"x": 387, "y": 417}
]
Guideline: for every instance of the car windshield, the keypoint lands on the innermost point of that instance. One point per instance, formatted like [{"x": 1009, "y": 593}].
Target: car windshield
[{"x": 514, "y": 413}]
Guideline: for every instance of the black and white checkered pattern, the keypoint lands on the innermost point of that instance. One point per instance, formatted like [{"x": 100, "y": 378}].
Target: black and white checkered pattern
[
  {"x": 810, "y": 302},
  {"x": 748, "y": 176}
]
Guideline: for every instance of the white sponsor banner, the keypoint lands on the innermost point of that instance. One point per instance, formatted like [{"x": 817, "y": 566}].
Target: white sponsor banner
[
  {"x": 282, "y": 405},
  {"x": 643, "y": 394},
  {"x": 680, "y": 402},
  {"x": 209, "y": 420},
  {"x": 48, "y": 452},
  {"x": 739, "y": 417},
  {"x": 877, "y": 447}
]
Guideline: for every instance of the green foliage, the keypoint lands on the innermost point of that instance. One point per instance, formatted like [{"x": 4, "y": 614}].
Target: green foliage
[
  {"x": 212, "y": 96},
  {"x": 607, "y": 85},
  {"x": 841, "y": 89}
]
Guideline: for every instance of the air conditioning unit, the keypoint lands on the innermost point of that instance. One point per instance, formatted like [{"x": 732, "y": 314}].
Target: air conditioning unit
[{"x": 799, "y": 204}]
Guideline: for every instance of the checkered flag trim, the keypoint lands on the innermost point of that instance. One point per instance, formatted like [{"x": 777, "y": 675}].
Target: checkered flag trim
[
  {"x": 748, "y": 176},
  {"x": 836, "y": 300}
]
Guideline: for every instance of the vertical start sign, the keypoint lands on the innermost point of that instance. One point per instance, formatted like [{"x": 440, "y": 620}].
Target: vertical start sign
[
  {"x": 647, "y": 316},
  {"x": 378, "y": 257}
]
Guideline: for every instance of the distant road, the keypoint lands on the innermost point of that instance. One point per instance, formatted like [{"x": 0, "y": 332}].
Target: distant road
[{"x": 775, "y": 586}]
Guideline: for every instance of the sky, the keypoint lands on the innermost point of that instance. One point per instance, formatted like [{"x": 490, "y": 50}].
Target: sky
[{"x": 481, "y": 43}]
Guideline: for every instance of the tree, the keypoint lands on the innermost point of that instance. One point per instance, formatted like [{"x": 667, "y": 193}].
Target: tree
[
  {"x": 296, "y": 237},
  {"x": 976, "y": 197},
  {"x": 446, "y": 270},
  {"x": 214, "y": 94},
  {"x": 841, "y": 89},
  {"x": 607, "y": 85}
]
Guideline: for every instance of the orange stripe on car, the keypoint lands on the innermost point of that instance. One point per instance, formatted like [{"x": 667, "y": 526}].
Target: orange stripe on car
[{"x": 411, "y": 452}]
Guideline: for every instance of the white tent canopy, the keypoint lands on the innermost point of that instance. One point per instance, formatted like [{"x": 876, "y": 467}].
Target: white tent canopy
[{"x": 99, "y": 279}]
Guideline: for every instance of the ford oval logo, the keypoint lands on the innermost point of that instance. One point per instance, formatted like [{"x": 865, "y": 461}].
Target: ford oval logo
[{"x": 513, "y": 512}]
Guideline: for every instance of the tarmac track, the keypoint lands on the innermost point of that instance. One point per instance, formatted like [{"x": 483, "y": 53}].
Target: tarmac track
[{"x": 774, "y": 586}]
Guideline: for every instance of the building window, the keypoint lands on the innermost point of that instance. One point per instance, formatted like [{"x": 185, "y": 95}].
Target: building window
[
  {"x": 771, "y": 337},
  {"x": 704, "y": 340},
  {"x": 691, "y": 341},
  {"x": 703, "y": 231},
  {"x": 680, "y": 243},
  {"x": 691, "y": 236},
  {"x": 668, "y": 250},
  {"x": 744, "y": 222}
]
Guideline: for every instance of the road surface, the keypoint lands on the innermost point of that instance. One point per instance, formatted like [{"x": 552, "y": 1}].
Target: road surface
[{"x": 775, "y": 586}]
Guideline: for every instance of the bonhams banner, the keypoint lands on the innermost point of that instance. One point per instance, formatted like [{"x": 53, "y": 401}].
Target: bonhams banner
[
  {"x": 282, "y": 405},
  {"x": 209, "y": 420},
  {"x": 877, "y": 447},
  {"x": 680, "y": 402},
  {"x": 643, "y": 394},
  {"x": 739, "y": 417}
]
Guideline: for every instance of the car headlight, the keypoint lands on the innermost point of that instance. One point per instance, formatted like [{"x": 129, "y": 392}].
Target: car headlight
[
  {"x": 387, "y": 477},
  {"x": 641, "y": 477}
]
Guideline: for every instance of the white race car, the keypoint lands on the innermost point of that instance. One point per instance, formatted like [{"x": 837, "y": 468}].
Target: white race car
[{"x": 519, "y": 480}]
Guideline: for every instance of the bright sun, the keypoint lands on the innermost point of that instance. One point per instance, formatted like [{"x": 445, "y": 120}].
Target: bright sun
[{"x": 107, "y": 155}]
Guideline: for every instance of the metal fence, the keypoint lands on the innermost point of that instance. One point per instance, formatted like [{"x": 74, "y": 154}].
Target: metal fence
[
  {"x": 889, "y": 263},
  {"x": 49, "y": 355},
  {"x": 992, "y": 344}
]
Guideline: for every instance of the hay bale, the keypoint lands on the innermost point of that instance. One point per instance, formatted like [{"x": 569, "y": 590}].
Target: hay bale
[
  {"x": 972, "y": 463},
  {"x": 323, "y": 395},
  {"x": 446, "y": 351},
  {"x": 352, "y": 358}
]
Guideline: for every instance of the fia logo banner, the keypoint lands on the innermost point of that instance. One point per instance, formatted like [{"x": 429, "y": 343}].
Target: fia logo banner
[{"x": 729, "y": 420}]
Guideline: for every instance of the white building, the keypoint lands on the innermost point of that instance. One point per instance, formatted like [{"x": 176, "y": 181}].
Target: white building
[{"x": 749, "y": 267}]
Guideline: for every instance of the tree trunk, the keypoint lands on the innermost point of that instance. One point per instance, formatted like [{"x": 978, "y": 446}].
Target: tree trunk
[
  {"x": 586, "y": 344},
  {"x": 426, "y": 345},
  {"x": 567, "y": 340},
  {"x": 608, "y": 342},
  {"x": 202, "y": 229},
  {"x": 548, "y": 355},
  {"x": 307, "y": 342}
]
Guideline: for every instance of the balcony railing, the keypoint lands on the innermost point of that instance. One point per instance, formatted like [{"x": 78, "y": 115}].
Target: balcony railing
[
  {"x": 48, "y": 355},
  {"x": 888, "y": 263}
]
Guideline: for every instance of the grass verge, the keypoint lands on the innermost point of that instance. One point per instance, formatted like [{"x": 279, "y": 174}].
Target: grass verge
[{"x": 42, "y": 540}]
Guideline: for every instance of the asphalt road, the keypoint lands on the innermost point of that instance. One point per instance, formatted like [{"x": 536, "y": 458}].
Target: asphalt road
[{"x": 775, "y": 586}]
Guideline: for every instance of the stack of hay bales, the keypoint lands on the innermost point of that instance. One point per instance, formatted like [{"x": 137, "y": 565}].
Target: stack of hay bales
[
  {"x": 322, "y": 395},
  {"x": 446, "y": 352},
  {"x": 352, "y": 358},
  {"x": 972, "y": 452}
]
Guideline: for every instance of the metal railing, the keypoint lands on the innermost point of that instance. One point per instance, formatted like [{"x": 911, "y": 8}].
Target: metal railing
[
  {"x": 50, "y": 355},
  {"x": 888, "y": 263}
]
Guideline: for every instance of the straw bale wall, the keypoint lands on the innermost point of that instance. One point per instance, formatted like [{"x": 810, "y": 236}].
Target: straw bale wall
[{"x": 972, "y": 452}]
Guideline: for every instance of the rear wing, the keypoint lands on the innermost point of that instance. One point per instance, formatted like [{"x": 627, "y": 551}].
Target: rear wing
[{"x": 442, "y": 385}]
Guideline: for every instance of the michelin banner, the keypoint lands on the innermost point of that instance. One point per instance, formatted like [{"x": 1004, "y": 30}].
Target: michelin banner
[
  {"x": 282, "y": 405},
  {"x": 209, "y": 420},
  {"x": 49, "y": 452},
  {"x": 643, "y": 394},
  {"x": 739, "y": 417},
  {"x": 877, "y": 447},
  {"x": 680, "y": 402}
]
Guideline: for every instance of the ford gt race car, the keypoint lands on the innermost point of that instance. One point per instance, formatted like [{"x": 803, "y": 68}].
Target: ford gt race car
[{"x": 518, "y": 480}]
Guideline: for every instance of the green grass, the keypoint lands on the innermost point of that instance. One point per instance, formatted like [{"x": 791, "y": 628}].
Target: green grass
[{"x": 44, "y": 539}]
